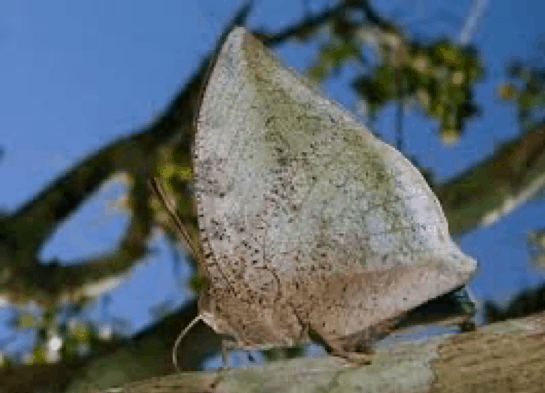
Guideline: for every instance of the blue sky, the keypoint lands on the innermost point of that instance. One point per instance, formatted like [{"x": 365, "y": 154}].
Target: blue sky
[{"x": 77, "y": 75}]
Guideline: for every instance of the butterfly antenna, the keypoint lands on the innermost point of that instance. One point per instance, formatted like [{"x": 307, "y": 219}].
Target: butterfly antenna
[
  {"x": 159, "y": 192},
  {"x": 179, "y": 339}
]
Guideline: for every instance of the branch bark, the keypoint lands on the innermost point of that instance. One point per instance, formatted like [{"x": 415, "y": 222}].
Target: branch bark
[{"x": 502, "y": 357}]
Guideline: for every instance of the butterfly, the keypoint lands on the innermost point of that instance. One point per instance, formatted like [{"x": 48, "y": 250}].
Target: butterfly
[{"x": 310, "y": 227}]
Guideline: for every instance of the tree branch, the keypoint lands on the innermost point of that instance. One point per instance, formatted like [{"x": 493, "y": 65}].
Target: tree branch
[
  {"x": 494, "y": 187},
  {"x": 502, "y": 357}
]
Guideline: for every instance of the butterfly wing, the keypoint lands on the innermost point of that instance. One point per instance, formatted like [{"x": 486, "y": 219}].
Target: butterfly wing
[{"x": 302, "y": 208}]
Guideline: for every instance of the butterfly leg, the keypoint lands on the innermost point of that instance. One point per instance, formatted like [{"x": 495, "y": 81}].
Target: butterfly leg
[
  {"x": 359, "y": 355},
  {"x": 223, "y": 371}
]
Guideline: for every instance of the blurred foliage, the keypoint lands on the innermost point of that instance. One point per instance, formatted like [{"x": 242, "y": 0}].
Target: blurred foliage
[
  {"x": 81, "y": 339},
  {"x": 439, "y": 76},
  {"x": 525, "y": 86}
]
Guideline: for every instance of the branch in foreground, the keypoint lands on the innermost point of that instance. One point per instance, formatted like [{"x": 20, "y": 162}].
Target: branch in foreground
[{"x": 502, "y": 357}]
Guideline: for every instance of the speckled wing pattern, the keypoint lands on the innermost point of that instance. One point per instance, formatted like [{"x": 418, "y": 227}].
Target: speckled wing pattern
[{"x": 308, "y": 222}]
